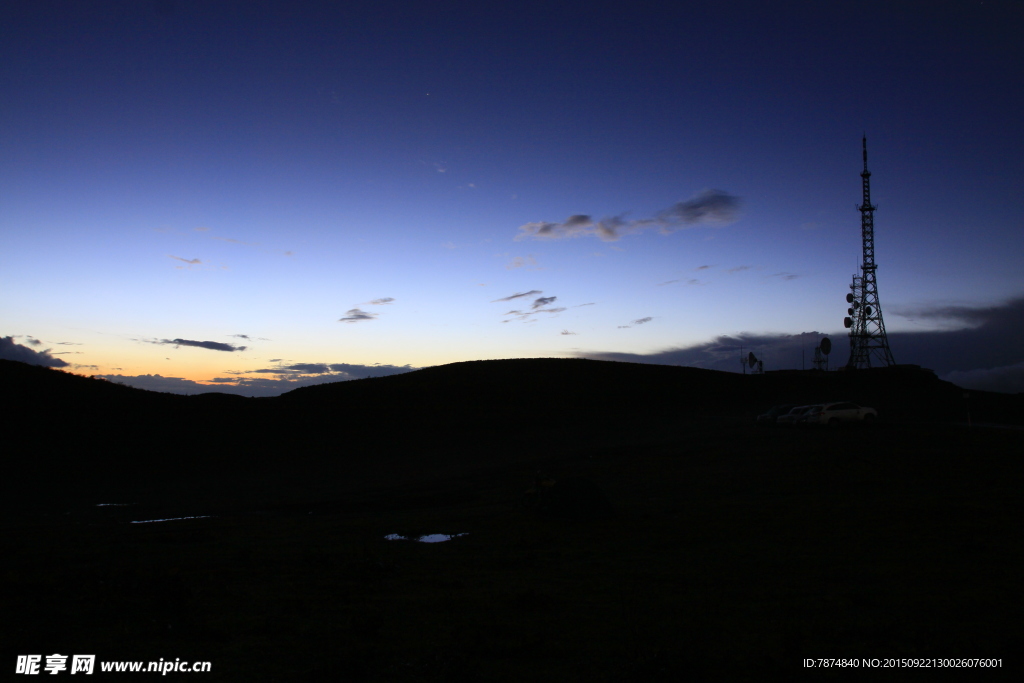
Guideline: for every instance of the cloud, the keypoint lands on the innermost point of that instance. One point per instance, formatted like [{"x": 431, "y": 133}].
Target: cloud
[
  {"x": 667, "y": 282},
  {"x": 641, "y": 321},
  {"x": 285, "y": 378},
  {"x": 738, "y": 269},
  {"x": 516, "y": 296},
  {"x": 985, "y": 355},
  {"x": 241, "y": 336},
  {"x": 527, "y": 262},
  {"x": 542, "y": 301},
  {"x": 355, "y": 316},
  {"x": 191, "y": 262},
  {"x": 785, "y": 276},
  {"x": 9, "y": 350},
  {"x": 566, "y": 332},
  {"x": 712, "y": 207},
  {"x": 1007, "y": 378},
  {"x": 382, "y": 301},
  {"x": 702, "y": 267},
  {"x": 211, "y": 345},
  {"x": 709, "y": 206}
]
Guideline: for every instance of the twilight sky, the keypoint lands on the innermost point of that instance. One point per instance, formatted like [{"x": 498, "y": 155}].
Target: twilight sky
[{"x": 254, "y": 195}]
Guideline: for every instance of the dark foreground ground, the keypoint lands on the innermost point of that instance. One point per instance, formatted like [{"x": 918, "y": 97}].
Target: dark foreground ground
[{"x": 699, "y": 547}]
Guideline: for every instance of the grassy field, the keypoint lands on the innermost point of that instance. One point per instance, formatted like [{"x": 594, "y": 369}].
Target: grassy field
[{"x": 732, "y": 553}]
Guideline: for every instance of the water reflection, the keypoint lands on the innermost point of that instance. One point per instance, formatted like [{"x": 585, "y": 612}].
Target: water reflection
[{"x": 428, "y": 538}]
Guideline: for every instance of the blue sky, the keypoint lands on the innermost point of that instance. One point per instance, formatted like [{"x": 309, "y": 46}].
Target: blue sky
[{"x": 346, "y": 191}]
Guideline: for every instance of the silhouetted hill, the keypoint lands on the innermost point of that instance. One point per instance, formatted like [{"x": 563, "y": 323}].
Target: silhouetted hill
[{"x": 72, "y": 433}]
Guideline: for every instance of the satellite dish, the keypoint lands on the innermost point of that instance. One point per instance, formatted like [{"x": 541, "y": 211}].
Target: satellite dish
[
  {"x": 867, "y": 310},
  {"x": 856, "y": 305},
  {"x": 847, "y": 322},
  {"x": 826, "y": 345},
  {"x": 850, "y": 311},
  {"x": 751, "y": 359},
  {"x": 849, "y": 298}
]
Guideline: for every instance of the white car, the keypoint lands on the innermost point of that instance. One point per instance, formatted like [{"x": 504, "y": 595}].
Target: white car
[{"x": 838, "y": 413}]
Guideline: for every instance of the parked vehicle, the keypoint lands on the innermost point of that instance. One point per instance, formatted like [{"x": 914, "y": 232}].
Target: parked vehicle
[
  {"x": 839, "y": 413},
  {"x": 792, "y": 417},
  {"x": 768, "y": 419}
]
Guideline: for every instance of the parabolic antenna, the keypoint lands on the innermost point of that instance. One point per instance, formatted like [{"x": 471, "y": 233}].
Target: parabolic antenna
[
  {"x": 867, "y": 311},
  {"x": 849, "y": 298},
  {"x": 751, "y": 359},
  {"x": 850, "y": 311},
  {"x": 847, "y": 323},
  {"x": 826, "y": 345},
  {"x": 856, "y": 305}
]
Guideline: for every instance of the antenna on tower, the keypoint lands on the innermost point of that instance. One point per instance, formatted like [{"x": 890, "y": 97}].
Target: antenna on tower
[
  {"x": 868, "y": 341},
  {"x": 756, "y": 365}
]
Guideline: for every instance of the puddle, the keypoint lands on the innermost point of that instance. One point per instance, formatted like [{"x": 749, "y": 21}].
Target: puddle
[
  {"x": 428, "y": 538},
  {"x": 169, "y": 519}
]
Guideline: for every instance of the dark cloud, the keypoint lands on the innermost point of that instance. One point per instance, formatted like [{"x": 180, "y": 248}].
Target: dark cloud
[
  {"x": 709, "y": 206},
  {"x": 713, "y": 207},
  {"x": 310, "y": 368},
  {"x": 516, "y": 296},
  {"x": 241, "y": 336},
  {"x": 9, "y": 350},
  {"x": 382, "y": 301},
  {"x": 211, "y": 345},
  {"x": 33, "y": 341},
  {"x": 286, "y": 378},
  {"x": 542, "y": 301},
  {"x": 641, "y": 321},
  {"x": 355, "y": 315},
  {"x": 785, "y": 276},
  {"x": 988, "y": 355}
]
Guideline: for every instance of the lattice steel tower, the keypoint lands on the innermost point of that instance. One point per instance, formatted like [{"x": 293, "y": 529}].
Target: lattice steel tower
[{"x": 868, "y": 344}]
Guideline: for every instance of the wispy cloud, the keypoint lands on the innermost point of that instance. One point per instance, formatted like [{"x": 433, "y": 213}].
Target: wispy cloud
[
  {"x": 785, "y": 276},
  {"x": 382, "y": 301},
  {"x": 540, "y": 302},
  {"x": 211, "y": 345},
  {"x": 190, "y": 261},
  {"x": 738, "y": 269},
  {"x": 712, "y": 207},
  {"x": 566, "y": 332},
  {"x": 527, "y": 262},
  {"x": 643, "y": 321},
  {"x": 516, "y": 296},
  {"x": 355, "y": 315}
]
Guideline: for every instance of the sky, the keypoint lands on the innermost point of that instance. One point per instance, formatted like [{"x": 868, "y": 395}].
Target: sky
[{"x": 252, "y": 196}]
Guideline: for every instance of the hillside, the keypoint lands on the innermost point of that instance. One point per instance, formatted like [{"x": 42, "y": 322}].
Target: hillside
[{"x": 674, "y": 538}]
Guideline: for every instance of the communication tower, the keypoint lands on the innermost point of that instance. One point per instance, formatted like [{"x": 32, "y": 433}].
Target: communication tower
[
  {"x": 868, "y": 344},
  {"x": 821, "y": 352}
]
